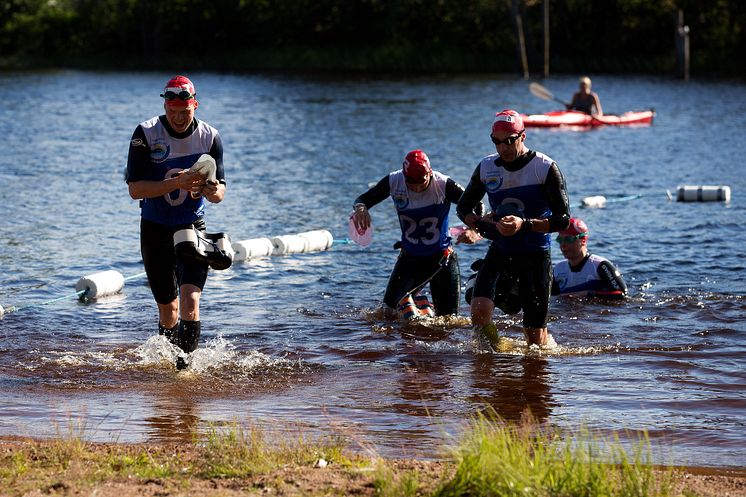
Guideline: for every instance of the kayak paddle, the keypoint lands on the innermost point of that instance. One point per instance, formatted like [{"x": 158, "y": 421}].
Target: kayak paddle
[{"x": 539, "y": 91}]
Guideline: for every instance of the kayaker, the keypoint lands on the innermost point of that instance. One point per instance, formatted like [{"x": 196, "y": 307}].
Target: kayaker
[
  {"x": 584, "y": 274},
  {"x": 422, "y": 198},
  {"x": 586, "y": 100},
  {"x": 161, "y": 151},
  {"x": 528, "y": 197}
]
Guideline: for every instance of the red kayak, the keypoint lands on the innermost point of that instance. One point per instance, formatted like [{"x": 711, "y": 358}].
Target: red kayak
[{"x": 573, "y": 118}]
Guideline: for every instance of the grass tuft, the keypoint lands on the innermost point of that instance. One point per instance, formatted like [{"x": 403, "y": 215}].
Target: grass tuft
[
  {"x": 237, "y": 451},
  {"x": 496, "y": 458}
]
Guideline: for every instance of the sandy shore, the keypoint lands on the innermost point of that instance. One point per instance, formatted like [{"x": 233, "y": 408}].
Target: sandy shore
[{"x": 45, "y": 473}]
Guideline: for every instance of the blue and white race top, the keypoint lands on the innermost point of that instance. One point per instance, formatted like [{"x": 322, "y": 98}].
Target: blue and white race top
[
  {"x": 523, "y": 190},
  {"x": 597, "y": 276},
  {"x": 168, "y": 156},
  {"x": 423, "y": 216}
]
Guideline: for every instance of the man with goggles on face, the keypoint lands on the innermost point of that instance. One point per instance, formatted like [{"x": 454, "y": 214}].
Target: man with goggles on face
[
  {"x": 162, "y": 150},
  {"x": 422, "y": 198},
  {"x": 527, "y": 194},
  {"x": 583, "y": 274}
]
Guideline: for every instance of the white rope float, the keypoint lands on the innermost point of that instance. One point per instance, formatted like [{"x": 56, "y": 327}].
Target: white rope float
[
  {"x": 685, "y": 193},
  {"x": 111, "y": 282},
  {"x": 301, "y": 243}
]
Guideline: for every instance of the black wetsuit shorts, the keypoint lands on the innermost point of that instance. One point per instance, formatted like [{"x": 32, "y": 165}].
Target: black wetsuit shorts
[
  {"x": 166, "y": 271},
  {"x": 517, "y": 281},
  {"x": 410, "y": 271}
]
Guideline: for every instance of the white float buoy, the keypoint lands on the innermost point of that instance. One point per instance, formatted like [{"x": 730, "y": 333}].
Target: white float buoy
[
  {"x": 594, "y": 201},
  {"x": 252, "y": 249},
  {"x": 2, "y": 312},
  {"x": 317, "y": 240},
  {"x": 100, "y": 284},
  {"x": 288, "y": 244},
  {"x": 689, "y": 193}
]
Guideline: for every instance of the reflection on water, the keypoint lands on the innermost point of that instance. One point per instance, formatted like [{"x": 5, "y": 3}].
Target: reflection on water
[
  {"x": 514, "y": 387},
  {"x": 297, "y": 339}
]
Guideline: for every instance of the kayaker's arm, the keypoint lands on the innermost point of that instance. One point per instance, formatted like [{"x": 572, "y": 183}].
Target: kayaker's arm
[
  {"x": 466, "y": 209},
  {"x": 597, "y": 103}
]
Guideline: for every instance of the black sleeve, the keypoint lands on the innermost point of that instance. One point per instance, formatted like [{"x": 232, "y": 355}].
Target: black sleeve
[
  {"x": 216, "y": 151},
  {"x": 558, "y": 201},
  {"x": 472, "y": 196},
  {"x": 454, "y": 191},
  {"x": 612, "y": 283},
  {"x": 555, "y": 286},
  {"x": 375, "y": 195},
  {"x": 138, "y": 158}
]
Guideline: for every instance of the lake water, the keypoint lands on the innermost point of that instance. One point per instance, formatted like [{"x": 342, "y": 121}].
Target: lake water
[{"x": 292, "y": 340}]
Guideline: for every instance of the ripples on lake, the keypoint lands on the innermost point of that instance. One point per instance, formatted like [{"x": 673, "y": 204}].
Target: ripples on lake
[{"x": 296, "y": 340}]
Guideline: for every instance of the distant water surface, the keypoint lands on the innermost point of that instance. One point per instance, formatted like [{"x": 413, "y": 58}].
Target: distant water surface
[{"x": 294, "y": 340}]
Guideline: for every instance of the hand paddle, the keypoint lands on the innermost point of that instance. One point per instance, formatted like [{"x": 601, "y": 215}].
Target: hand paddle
[
  {"x": 539, "y": 91},
  {"x": 362, "y": 238},
  {"x": 205, "y": 167}
]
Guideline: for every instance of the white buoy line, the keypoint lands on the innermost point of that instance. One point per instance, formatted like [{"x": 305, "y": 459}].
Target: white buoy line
[
  {"x": 684, "y": 193},
  {"x": 111, "y": 282}
]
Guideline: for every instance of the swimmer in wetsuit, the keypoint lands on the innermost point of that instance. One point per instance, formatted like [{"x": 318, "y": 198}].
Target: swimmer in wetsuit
[
  {"x": 422, "y": 198},
  {"x": 581, "y": 273}
]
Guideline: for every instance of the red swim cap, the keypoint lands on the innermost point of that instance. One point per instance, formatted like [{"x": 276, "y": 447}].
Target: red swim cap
[
  {"x": 176, "y": 85},
  {"x": 508, "y": 121},
  {"x": 576, "y": 227},
  {"x": 416, "y": 165}
]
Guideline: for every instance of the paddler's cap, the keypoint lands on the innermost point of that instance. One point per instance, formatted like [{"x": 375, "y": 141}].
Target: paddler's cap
[
  {"x": 507, "y": 121},
  {"x": 416, "y": 165},
  {"x": 179, "y": 92},
  {"x": 577, "y": 227}
]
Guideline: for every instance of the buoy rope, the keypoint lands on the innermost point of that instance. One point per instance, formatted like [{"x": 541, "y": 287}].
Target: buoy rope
[
  {"x": 81, "y": 294},
  {"x": 612, "y": 200}
]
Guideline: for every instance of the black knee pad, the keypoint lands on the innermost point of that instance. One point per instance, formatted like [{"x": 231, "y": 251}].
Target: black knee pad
[{"x": 187, "y": 337}]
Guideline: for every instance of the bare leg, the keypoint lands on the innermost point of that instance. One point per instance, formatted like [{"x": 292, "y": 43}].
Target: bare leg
[
  {"x": 481, "y": 318},
  {"x": 481, "y": 311},
  {"x": 538, "y": 336},
  {"x": 189, "y": 298},
  {"x": 168, "y": 314}
]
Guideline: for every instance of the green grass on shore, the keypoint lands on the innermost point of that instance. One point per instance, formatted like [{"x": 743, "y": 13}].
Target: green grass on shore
[{"x": 491, "y": 458}]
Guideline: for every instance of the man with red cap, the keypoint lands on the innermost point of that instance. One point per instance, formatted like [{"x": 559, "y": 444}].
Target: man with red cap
[
  {"x": 584, "y": 274},
  {"x": 162, "y": 150},
  {"x": 527, "y": 194},
  {"x": 422, "y": 198}
]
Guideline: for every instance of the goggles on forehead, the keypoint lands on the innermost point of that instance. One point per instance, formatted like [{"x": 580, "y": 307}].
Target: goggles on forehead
[{"x": 180, "y": 93}]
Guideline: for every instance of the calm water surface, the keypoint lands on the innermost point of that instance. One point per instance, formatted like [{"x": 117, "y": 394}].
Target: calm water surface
[{"x": 291, "y": 341}]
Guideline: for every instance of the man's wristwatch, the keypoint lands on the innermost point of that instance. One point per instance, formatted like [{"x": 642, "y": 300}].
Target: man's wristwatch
[{"x": 528, "y": 225}]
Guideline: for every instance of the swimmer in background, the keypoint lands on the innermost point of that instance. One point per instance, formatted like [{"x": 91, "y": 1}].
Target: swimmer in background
[{"x": 584, "y": 274}]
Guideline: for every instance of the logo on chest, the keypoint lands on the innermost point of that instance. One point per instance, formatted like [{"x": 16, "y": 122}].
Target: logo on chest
[
  {"x": 401, "y": 201},
  {"x": 159, "y": 151},
  {"x": 493, "y": 183}
]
